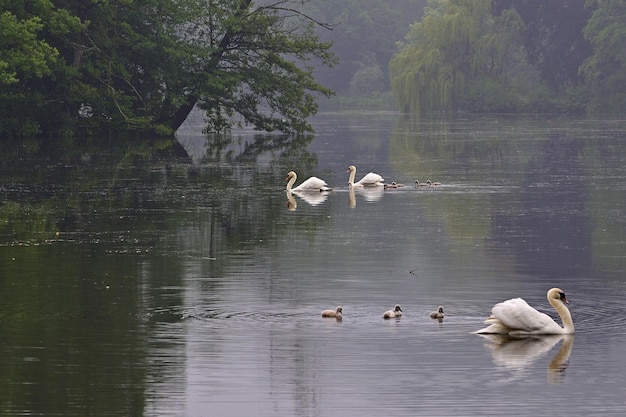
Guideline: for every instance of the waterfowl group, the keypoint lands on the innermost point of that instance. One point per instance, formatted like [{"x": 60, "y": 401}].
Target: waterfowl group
[
  {"x": 428, "y": 183},
  {"x": 512, "y": 317},
  {"x": 395, "y": 312},
  {"x": 371, "y": 180}
]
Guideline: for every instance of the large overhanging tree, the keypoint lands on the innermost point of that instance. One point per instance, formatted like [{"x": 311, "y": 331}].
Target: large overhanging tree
[{"x": 146, "y": 64}]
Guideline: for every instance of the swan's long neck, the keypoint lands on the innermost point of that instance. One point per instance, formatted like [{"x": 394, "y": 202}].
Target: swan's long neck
[
  {"x": 566, "y": 316},
  {"x": 292, "y": 180},
  {"x": 352, "y": 175}
]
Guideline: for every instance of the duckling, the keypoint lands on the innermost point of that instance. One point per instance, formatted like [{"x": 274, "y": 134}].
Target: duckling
[
  {"x": 396, "y": 312},
  {"x": 437, "y": 314},
  {"x": 336, "y": 313},
  {"x": 393, "y": 185}
]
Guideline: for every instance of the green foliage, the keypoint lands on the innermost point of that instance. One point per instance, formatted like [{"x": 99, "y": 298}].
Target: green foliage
[
  {"x": 455, "y": 43},
  {"x": 143, "y": 65},
  {"x": 605, "y": 69},
  {"x": 367, "y": 80},
  {"x": 22, "y": 55},
  {"x": 490, "y": 96},
  {"x": 552, "y": 38},
  {"x": 514, "y": 56}
]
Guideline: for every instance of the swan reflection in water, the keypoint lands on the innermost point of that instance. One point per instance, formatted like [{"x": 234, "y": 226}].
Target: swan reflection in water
[
  {"x": 369, "y": 194},
  {"x": 291, "y": 202},
  {"x": 314, "y": 198},
  {"x": 518, "y": 353}
]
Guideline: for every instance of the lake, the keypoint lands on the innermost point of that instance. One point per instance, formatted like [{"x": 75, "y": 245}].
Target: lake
[{"x": 143, "y": 279}]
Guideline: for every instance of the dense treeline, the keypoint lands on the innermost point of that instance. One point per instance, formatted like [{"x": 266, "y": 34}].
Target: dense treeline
[
  {"x": 514, "y": 55},
  {"x": 143, "y": 65}
]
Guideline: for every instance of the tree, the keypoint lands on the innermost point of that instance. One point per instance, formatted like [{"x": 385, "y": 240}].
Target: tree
[
  {"x": 29, "y": 64},
  {"x": 20, "y": 50},
  {"x": 456, "y": 42},
  {"x": 146, "y": 64},
  {"x": 605, "y": 69},
  {"x": 553, "y": 38}
]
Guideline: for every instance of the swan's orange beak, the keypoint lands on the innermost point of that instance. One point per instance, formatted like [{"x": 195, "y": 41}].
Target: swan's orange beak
[{"x": 564, "y": 299}]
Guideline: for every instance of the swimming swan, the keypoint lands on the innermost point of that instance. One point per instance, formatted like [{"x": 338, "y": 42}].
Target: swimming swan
[
  {"x": 421, "y": 184},
  {"x": 396, "y": 312},
  {"x": 437, "y": 314},
  {"x": 370, "y": 179},
  {"x": 516, "y": 317},
  {"x": 336, "y": 313},
  {"x": 311, "y": 184}
]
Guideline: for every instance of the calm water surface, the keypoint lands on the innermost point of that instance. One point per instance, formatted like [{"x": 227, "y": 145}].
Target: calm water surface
[{"x": 191, "y": 284}]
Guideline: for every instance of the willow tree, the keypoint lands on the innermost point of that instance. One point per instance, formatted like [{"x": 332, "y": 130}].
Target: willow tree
[
  {"x": 144, "y": 65},
  {"x": 455, "y": 42}
]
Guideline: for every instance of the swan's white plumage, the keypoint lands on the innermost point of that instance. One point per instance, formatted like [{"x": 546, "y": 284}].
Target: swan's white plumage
[
  {"x": 310, "y": 184},
  {"x": 370, "y": 179},
  {"x": 515, "y": 316}
]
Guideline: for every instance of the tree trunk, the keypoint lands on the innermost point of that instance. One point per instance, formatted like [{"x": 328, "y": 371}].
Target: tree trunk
[{"x": 179, "y": 117}]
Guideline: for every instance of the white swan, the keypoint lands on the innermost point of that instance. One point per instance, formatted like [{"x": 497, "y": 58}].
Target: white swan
[
  {"x": 336, "y": 313},
  {"x": 516, "y": 317},
  {"x": 310, "y": 184},
  {"x": 396, "y": 312},
  {"x": 437, "y": 314},
  {"x": 370, "y": 179}
]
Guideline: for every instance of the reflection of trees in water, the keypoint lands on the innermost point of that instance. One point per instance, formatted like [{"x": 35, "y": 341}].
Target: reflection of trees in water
[
  {"x": 129, "y": 216},
  {"x": 105, "y": 186},
  {"x": 551, "y": 212},
  {"x": 560, "y": 177},
  {"x": 232, "y": 148}
]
